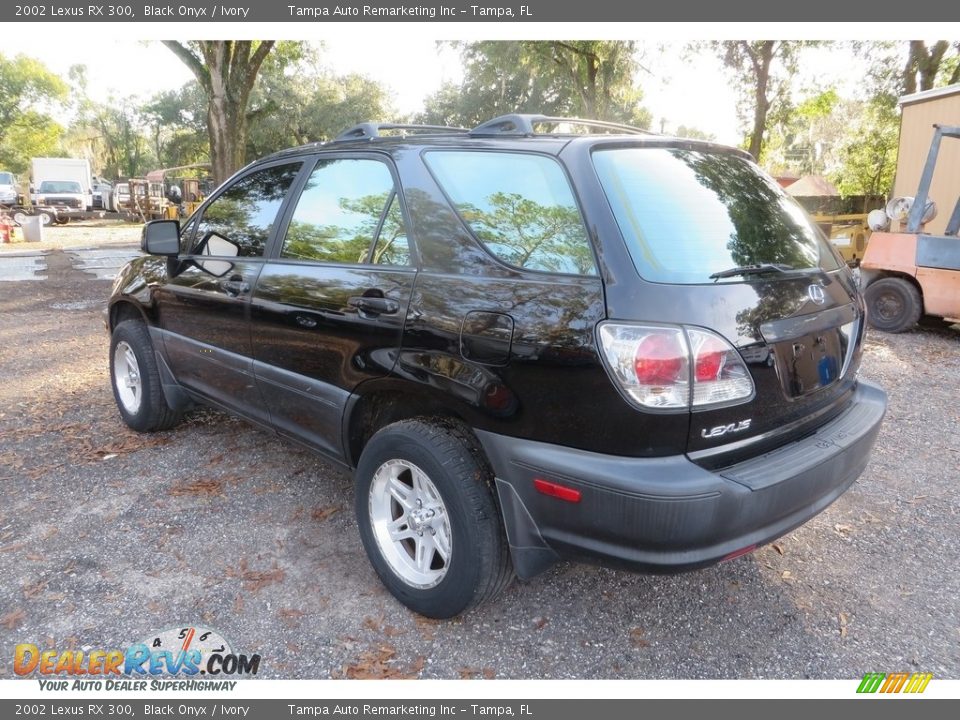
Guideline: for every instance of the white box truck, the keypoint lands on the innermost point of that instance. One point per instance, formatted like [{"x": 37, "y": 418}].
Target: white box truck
[{"x": 64, "y": 184}]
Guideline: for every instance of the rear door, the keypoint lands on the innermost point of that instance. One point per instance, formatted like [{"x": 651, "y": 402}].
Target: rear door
[
  {"x": 720, "y": 246},
  {"x": 329, "y": 307},
  {"x": 204, "y": 308}
]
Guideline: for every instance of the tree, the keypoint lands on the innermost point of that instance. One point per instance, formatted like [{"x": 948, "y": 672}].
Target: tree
[
  {"x": 762, "y": 70},
  {"x": 584, "y": 78},
  {"x": 226, "y": 71},
  {"x": 923, "y": 65},
  {"x": 298, "y": 101},
  {"x": 176, "y": 122},
  {"x": 803, "y": 138},
  {"x": 27, "y": 90},
  {"x": 869, "y": 153}
]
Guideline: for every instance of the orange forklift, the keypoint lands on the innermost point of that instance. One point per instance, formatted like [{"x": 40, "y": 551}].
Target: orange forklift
[{"x": 906, "y": 275}]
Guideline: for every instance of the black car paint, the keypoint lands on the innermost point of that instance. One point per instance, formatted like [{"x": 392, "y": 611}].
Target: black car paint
[{"x": 512, "y": 353}]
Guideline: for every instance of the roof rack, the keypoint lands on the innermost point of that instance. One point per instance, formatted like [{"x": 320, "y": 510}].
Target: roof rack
[
  {"x": 519, "y": 125},
  {"x": 370, "y": 130}
]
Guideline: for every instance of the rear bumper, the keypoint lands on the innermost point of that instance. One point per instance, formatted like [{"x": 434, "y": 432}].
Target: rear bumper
[{"x": 668, "y": 514}]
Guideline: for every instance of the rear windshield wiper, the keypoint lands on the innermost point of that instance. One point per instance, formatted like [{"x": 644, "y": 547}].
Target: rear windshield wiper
[{"x": 760, "y": 269}]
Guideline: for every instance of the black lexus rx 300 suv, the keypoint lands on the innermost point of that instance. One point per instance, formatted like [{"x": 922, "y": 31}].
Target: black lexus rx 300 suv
[{"x": 539, "y": 339}]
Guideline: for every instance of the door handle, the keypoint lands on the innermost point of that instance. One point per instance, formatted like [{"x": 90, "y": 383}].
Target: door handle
[
  {"x": 235, "y": 286},
  {"x": 374, "y": 305}
]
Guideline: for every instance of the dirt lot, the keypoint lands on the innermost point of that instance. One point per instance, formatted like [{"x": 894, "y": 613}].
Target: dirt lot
[
  {"x": 75, "y": 234},
  {"x": 107, "y": 536}
]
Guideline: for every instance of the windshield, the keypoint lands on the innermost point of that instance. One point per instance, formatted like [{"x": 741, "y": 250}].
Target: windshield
[
  {"x": 688, "y": 214},
  {"x": 6, "y": 178},
  {"x": 60, "y": 186}
]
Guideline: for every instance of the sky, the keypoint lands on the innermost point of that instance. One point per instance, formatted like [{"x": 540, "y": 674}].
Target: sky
[{"x": 678, "y": 89}]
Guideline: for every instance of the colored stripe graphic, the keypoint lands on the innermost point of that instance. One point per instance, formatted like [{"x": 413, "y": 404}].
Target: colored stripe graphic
[
  {"x": 870, "y": 683},
  {"x": 918, "y": 682},
  {"x": 894, "y": 682}
]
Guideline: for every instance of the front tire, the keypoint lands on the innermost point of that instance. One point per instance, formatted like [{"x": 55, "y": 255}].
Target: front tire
[
  {"x": 893, "y": 304},
  {"x": 136, "y": 380},
  {"x": 428, "y": 520}
]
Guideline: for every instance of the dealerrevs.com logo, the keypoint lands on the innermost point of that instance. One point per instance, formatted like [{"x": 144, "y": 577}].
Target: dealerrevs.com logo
[
  {"x": 201, "y": 658},
  {"x": 909, "y": 683}
]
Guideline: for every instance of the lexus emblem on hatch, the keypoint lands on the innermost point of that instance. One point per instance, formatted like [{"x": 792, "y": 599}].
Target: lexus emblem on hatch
[{"x": 816, "y": 294}]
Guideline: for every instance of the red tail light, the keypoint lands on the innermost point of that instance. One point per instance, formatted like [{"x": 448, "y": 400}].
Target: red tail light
[
  {"x": 665, "y": 367},
  {"x": 659, "y": 360},
  {"x": 709, "y": 359}
]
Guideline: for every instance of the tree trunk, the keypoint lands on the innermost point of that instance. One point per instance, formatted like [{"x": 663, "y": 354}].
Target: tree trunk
[
  {"x": 761, "y": 58},
  {"x": 226, "y": 73}
]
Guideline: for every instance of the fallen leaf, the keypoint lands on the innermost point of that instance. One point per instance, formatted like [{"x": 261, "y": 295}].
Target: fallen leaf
[
  {"x": 200, "y": 487},
  {"x": 637, "y": 638},
  {"x": 325, "y": 512},
  {"x": 843, "y": 624},
  {"x": 778, "y": 548},
  {"x": 787, "y": 575},
  {"x": 13, "y": 619},
  {"x": 34, "y": 589}
]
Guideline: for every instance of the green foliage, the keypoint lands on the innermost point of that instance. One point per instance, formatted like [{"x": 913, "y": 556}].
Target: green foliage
[
  {"x": 177, "y": 125},
  {"x": 35, "y": 135},
  {"x": 28, "y": 90},
  {"x": 226, "y": 71},
  {"x": 762, "y": 71},
  {"x": 802, "y": 138},
  {"x": 869, "y": 152},
  {"x": 300, "y": 102},
  {"x": 113, "y": 135},
  {"x": 529, "y": 234},
  {"x": 592, "y": 79}
]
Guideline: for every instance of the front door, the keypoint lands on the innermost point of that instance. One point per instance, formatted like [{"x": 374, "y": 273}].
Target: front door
[{"x": 204, "y": 309}]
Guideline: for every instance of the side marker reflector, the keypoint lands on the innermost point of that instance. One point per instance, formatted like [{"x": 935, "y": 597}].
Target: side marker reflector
[{"x": 561, "y": 492}]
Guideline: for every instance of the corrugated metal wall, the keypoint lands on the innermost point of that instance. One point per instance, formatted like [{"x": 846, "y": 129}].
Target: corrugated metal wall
[{"x": 916, "y": 131}]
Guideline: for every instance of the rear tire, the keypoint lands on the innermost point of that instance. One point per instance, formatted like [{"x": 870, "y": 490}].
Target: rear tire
[
  {"x": 136, "y": 380},
  {"x": 428, "y": 520},
  {"x": 893, "y": 304}
]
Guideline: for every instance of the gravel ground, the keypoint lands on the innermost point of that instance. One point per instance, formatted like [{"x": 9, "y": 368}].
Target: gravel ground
[
  {"x": 107, "y": 536},
  {"x": 75, "y": 234}
]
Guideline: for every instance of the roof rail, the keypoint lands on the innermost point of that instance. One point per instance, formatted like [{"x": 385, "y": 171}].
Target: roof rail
[
  {"x": 520, "y": 125},
  {"x": 370, "y": 130}
]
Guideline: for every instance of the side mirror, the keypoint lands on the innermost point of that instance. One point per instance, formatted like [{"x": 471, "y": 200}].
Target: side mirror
[{"x": 161, "y": 237}]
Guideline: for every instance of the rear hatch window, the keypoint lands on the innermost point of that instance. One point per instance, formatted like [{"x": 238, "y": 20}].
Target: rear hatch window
[{"x": 689, "y": 214}]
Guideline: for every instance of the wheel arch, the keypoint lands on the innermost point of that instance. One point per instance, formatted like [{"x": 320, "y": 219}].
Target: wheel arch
[
  {"x": 869, "y": 277},
  {"x": 384, "y": 402},
  {"x": 126, "y": 309}
]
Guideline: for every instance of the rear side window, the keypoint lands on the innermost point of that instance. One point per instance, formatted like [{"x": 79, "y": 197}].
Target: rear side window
[
  {"x": 686, "y": 214},
  {"x": 520, "y": 206},
  {"x": 348, "y": 212}
]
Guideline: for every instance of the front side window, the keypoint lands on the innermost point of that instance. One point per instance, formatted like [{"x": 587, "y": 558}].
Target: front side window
[
  {"x": 238, "y": 222},
  {"x": 348, "y": 212},
  {"x": 520, "y": 206}
]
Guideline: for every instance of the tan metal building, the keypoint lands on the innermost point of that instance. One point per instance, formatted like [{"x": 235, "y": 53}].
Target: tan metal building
[{"x": 920, "y": 112}]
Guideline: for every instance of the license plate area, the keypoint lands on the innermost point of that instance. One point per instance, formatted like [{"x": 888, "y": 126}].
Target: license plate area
[
  {"x": 812, "y": 351},
  {"x": 810, "y": 362}
]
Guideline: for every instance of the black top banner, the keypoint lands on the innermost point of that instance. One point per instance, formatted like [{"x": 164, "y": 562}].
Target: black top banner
[{"x": 327, "y": 11}]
